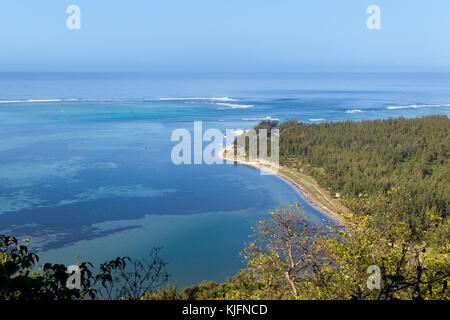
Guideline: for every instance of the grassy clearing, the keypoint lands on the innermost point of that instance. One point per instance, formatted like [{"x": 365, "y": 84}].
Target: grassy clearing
[{"x": 318, "y": 194}]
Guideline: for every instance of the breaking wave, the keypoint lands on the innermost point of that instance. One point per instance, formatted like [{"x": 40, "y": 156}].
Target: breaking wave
[
  {"x": 210, "y": 99},
  {"x": 418, "y": 106},
  {"x": 316, "y": 119},
  {"x": 353, "y": 111},
  {"x": 234, "y": 106}
]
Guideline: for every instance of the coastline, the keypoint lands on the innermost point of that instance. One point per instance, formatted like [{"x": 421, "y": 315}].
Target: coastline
[{"x": 301, "y": 187}]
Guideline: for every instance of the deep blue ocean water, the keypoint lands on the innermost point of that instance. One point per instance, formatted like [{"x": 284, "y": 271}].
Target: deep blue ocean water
[{"x": 85, "y": 165}]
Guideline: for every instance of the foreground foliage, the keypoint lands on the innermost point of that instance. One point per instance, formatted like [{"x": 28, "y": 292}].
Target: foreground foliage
[
  {"x": 381, "y": 254},
  {"x": 123, "y": 278}
]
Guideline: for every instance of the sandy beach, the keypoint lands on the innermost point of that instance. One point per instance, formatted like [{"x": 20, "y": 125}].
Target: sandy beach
[{"x": 228, "y": 155}]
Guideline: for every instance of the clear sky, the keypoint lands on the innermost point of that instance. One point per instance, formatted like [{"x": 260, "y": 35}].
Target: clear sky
[{"x": 224, "y": 35}]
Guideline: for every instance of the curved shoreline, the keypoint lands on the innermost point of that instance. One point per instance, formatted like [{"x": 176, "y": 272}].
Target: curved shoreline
[
  {"x": 314, "y": 201},
  {"x": 297, "y": 185}
]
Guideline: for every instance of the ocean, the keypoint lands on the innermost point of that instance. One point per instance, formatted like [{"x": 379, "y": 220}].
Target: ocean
[{"x": 86, "y": 170}]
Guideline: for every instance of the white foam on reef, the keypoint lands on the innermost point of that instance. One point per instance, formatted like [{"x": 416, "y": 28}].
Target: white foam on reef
[
  {"x": 45, "y": 100},
  {"x": 260, "y": 119},
  {"x": 234, "y": 106},
  {"x": 211, "y": 99},
  {"x": 12, "y": 101},
  {"x": 353, "y": 111},
  {"x": 202, "y": 98},
  {"x": 418, "y": 106},
  {"x": 36, "y": 100}
]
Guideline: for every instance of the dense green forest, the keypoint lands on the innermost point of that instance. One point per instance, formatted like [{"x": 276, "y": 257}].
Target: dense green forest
[
  {"x": 393, "y": 176},
  {"x": 366, "y": 157}
]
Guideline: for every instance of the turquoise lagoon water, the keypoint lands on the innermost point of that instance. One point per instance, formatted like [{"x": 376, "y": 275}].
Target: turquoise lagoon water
[{"x": 85, "y": 165}]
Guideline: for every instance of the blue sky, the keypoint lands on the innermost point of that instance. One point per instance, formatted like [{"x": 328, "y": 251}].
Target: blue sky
[{"x": 224, "y": 35}]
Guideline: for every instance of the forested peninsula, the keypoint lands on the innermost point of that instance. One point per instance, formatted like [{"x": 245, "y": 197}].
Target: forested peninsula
[{"x": 392, "y": 177}]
